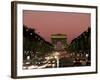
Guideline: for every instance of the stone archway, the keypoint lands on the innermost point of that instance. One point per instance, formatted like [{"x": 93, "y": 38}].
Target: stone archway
[{"x": 59, "y": 41}]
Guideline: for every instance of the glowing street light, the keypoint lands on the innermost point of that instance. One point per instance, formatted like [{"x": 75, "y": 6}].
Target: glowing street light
[{"x": 56, "y": 55}]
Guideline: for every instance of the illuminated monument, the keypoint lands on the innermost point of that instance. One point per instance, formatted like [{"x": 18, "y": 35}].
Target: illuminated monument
[{"x": 59, "y": 41}]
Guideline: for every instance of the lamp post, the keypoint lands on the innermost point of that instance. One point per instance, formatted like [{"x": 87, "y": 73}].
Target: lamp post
[{"x": 56, "y": 54}]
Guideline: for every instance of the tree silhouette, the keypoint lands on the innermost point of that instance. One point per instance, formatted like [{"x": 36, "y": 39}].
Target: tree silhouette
[
  {"x": 82, "y": 43},
  {"x": 32, "y": 41}
]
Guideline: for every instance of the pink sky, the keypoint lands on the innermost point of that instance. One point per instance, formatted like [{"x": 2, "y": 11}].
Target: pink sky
[{"x": 47, "y": 23}]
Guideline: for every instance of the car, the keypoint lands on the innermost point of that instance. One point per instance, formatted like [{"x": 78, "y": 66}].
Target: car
[{"x": 77, "y": 62}]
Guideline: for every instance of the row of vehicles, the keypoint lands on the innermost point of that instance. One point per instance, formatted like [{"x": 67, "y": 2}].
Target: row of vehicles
[{"x": 51, "y": 62}]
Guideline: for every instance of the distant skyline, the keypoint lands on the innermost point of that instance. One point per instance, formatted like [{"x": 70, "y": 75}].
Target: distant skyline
[{"x": 48, "y": 22}]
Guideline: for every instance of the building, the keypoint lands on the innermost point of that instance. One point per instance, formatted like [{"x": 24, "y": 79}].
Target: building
[{"x": 59, "y": 41}]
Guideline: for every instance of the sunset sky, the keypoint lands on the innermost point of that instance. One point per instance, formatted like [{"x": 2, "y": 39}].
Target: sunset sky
[{"x": 47, "y": 23}]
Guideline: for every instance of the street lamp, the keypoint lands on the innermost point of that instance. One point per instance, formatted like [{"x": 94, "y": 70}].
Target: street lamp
[{"x": 56, "y": 55}]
